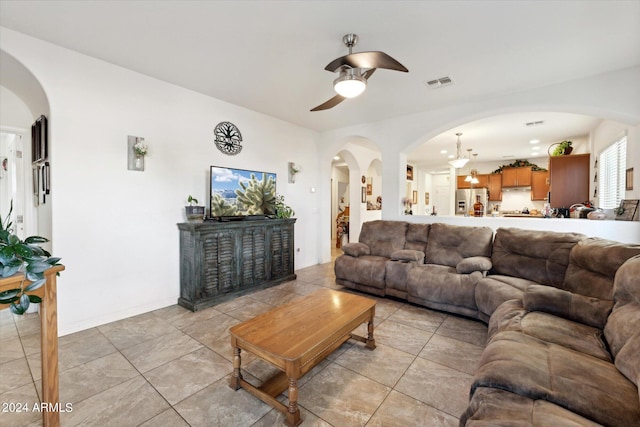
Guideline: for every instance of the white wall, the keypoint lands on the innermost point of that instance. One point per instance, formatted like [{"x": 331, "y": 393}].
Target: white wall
[{"x": 116, "y": 229}]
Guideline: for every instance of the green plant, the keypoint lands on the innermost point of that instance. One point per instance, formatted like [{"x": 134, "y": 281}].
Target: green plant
[
  {"x": 26, "y": 256},
  {"x": 561, "y": 148},
  {"x": 258, "y": 196},
  {"x": 192, "y": 200},
  {"x": 220, "y": 207},
  {"x": 283, "y": 210}
]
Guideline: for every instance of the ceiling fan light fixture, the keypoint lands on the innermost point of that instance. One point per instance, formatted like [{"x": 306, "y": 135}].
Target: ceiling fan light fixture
[{"x": 350, "y": 83}]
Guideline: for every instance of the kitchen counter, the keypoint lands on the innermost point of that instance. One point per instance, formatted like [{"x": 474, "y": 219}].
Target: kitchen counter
[{"x": 521, "y": 215}]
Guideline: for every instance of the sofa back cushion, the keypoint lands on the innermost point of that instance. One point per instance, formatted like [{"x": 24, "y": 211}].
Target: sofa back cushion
[
  {"x": 416, "y": 237},
  {"x": 383, "y": 237},
  {"x": 539, "y": 256},
  {"x": 621, "y": 331},
  {"x": 450, "y": 244},
  {"x": 593, "y": 264}
]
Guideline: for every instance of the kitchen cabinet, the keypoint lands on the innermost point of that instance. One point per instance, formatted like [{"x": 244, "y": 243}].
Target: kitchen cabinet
[
  {"x": 461, "y": 183},
  {"x": 495, "y": 187},
  {"x": 539, "y": 185},
  {"x": 516, "y": 177},
  {"x": 569, "y": 179},
  {"x": 482, "y": 178}
]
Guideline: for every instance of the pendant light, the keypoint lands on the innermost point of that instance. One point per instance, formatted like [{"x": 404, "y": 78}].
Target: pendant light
[{"x": 459, "y": 161}]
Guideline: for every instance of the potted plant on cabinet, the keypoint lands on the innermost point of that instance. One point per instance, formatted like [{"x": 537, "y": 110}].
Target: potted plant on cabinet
[
  {"x": 562, "y": 148},
  {"x": 26, "y": 257},
  {"x": 193, "y": 211}
]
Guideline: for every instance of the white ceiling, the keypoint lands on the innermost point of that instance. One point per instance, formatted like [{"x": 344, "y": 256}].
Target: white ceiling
[{"x": 269, "y": 56}]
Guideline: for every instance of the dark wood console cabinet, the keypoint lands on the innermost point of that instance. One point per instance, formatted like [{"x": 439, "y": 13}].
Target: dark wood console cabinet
[{"x": 222, "y": 260}]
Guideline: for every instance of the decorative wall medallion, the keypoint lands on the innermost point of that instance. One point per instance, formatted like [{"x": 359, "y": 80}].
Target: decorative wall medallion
[{"x": 228, "y": 138}]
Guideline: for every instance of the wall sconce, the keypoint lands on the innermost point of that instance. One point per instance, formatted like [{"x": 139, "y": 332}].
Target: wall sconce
[
  {"x": 136, "y": 151},
  {"x": 293, "y": 170}
]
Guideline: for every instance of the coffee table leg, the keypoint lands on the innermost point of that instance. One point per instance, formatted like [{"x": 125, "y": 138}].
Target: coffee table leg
[
  {"x": 371, "y": 342},
  {"x": 237, "y": 375},
  {"x": 293, "y": 414}
]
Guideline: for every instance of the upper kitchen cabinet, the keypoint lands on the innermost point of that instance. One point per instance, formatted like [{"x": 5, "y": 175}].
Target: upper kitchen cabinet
[
  {"x": 495, "y": 187},
  {"x": 569, "y": 179},
  {"x": 516, "y": 177},
  {"x": 483, "y": 182},
  {"x": 539, "y": 185}
]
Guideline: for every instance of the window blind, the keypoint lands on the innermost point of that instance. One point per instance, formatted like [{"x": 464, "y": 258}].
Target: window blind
[{"x": 611, "y": 176}]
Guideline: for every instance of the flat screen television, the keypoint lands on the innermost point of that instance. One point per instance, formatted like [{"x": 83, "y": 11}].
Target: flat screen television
[{"x": 237, "y": 193}]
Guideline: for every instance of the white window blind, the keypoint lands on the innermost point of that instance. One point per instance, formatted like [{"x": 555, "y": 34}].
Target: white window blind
[{"x": 611, "y": 176}]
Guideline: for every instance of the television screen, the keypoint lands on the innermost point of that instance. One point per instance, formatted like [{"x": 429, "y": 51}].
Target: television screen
[{"x": 239, "y": 192}]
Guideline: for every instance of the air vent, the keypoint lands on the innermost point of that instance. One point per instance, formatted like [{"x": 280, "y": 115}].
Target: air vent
[
  {"x": 442, "y": 81},
  {"x": 537, "y": 123}
]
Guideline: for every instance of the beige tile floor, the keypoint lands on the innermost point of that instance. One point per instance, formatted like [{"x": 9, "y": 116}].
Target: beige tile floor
[{"x": 171, "y": 367}]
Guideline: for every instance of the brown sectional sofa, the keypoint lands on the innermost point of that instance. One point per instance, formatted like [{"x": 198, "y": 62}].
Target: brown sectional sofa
[{"x": 563, "y": 312}]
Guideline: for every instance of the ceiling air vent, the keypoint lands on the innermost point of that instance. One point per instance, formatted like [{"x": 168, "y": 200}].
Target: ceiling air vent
[
  {"x": 537, "y": 123},
  {"x": 442, "y": 81}
]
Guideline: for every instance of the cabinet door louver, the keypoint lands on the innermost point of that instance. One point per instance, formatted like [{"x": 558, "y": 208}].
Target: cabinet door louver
[
  {"x": 218, "y": 263},
  {"x": 253, "y": 256}
]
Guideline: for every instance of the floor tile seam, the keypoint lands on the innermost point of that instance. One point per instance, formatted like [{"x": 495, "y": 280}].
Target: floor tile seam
[
  {"x": 457, "y": 417},
  {"x": 459, "y": 340},
  {"x": 448, "y": 367},
  {"x": 169, "y": 403},
  {"x": 374, "y": 380}
]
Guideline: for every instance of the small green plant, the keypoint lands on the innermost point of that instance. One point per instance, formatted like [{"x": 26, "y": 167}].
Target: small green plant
[
  {"x": 26, "y": 256},
  {"x": 562, "y": 148},
  {"x": 258, "y": 196},
  {"x": 192, "y": 200},
  {"x": 283, "y": 210}
]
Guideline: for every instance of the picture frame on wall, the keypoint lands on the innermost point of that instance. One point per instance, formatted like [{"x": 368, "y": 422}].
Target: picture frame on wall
[
  {"x": 409, "y": 173},
  {"x": 629, "y": 180},
  {"x": 627, "y": 210},
  {"x": 414, "y": 198},
  {"x": 363, "y": 195},
  {"x": 369, "y": 189},
  {"x": 426, "y": 198},
  {"x": 39, "y": 140}
]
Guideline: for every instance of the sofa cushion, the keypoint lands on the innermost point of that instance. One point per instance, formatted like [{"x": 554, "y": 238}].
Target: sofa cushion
[
  {"x": 622, "y": 331},
  {"x": 439, "y": 286},
  {"x": 495, "y": 289},
  {"x": 539, "y": 256},
  {"x": 383, "y": 237},
  {"x": 593, "y": 266},
  {"x": 531, "y": 367},
  {"x": 408, "y": 255},
  {"x": 368, "y": 270},
  {"x": 450, "y": 244},
  {"x": 474, "y": 263},
  {"x": 494, "y": 407},
  {"x": 416, "y": 237},
  {"x": 582, "y": 309},
  {"x": 355, "y": 249},
  {"x": 511, "y": 316}
]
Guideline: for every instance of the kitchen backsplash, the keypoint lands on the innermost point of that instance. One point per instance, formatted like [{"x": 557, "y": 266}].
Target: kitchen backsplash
[{"x": 516, "y": 200}]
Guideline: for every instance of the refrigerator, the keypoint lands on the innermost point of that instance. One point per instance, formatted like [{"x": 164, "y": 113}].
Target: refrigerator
[{"x": 466, "y": 198}]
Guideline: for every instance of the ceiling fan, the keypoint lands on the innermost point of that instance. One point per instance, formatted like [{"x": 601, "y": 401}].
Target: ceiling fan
[{"x": 355, "y": 70}]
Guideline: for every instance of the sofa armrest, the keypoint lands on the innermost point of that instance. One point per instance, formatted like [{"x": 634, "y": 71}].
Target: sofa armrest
[
  {"x": 474, "y": 263},
  {"x": 356, "y": 249},
  {"x": 408, "y": 255},
  {"x": 579, "y": 308}
]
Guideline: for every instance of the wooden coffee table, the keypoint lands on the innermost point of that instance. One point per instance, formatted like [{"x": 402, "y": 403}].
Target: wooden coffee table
[{"x": 296, "y": 337}]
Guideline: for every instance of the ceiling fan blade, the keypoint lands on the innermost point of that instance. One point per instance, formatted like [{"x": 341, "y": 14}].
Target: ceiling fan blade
[
  {"x": 373, "y": 59},
  {"x": 330, "y": 103},
  {"x": 368, "y": 73}
]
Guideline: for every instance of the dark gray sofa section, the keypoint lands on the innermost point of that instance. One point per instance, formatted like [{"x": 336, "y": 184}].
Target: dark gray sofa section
[{"x": 563, "y": 312}]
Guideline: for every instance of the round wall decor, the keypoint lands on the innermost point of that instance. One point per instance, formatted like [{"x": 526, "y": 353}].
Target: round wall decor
[{"x": 228, "y": 138}]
